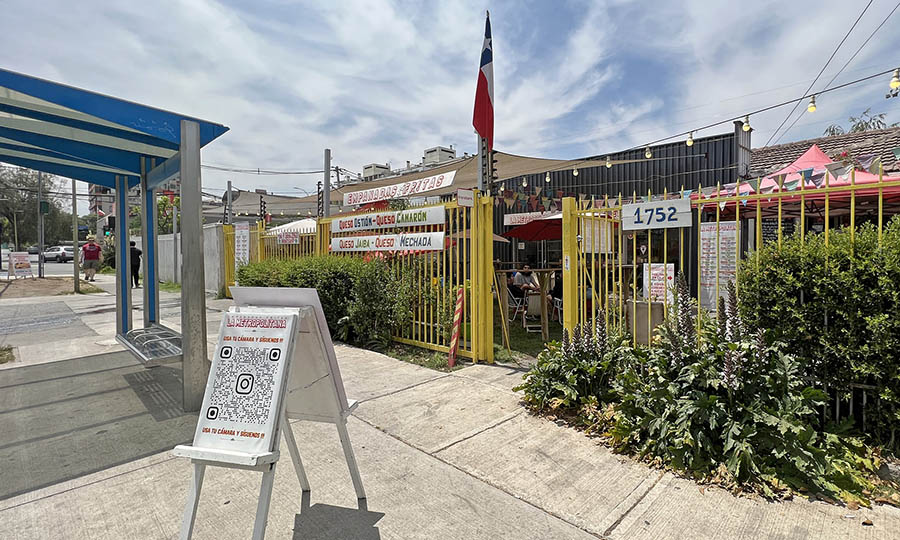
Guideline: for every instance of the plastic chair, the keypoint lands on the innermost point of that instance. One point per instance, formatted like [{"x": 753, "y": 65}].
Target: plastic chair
[{"x": 557, "y": 308}]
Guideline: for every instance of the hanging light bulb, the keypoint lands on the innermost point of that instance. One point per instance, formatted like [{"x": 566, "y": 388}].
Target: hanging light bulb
[
  {"x": 524, "y": 182},
  {"x": 575, "y": 172},
  {"x": 547, "y": 178},
  {"x": 812, "y": 104},
  {"x": 895, "y": 81},
  {"x": 746, "y": 123},
  {"x": 690, "y": 139},
  {"x": 647, "y": 153},
  {"x": 608, "y": 163}
]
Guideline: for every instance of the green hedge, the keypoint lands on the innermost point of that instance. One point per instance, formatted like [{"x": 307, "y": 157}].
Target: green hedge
[
  {"x": 359, "y": 297},
  {"x": 837, "y": 308}
]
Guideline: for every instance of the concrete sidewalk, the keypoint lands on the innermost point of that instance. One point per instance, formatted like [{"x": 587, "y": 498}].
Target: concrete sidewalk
[{"x": 441, "y": 455}]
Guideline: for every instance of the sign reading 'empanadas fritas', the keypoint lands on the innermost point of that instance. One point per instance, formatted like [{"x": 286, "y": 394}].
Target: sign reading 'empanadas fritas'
[{"x": 399, "y": 191}]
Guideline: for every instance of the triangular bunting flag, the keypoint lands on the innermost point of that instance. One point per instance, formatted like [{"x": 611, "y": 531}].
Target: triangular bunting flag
[
  {"x": 779, "y": 180},
  {"x": 744, "y": 202},
  {"x": 768, "y": 189},
  {"x": 686, "y": 193},
  {"x": 730, "y": 188},
  {"x": 896, "y": 152},
  {"x": 792, "y": 185},
  {"x": 722, "y": 205},
  {"x": 875, "y": 166},
  {"x": 537, "y": 190},
  {"x": 805, "y": 174},
  {"x": 754, "y": 185},
  {"x": 817, "y": 179},
  {"x": 866, "y": 161},
  {"x": 837, "y": 170}
]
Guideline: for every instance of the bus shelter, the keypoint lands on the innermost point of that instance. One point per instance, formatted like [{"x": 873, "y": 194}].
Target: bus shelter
[{"x": 106, "y": 141}]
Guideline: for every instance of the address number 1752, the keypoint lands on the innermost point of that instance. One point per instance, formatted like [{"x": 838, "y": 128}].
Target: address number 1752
[{"x": 657, "y": 215}]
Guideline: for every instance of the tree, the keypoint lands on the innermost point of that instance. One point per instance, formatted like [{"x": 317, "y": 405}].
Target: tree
[
  {"x": 19, "y": 203},
  {"x": 864, "y": 122}
]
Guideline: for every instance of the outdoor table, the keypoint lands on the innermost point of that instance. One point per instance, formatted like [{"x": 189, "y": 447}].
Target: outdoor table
[{"x": 543, "y": 278}]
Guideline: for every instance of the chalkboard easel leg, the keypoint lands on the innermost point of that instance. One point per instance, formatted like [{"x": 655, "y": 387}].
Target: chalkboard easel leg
[
  {"x": 190, "y": 510},
  {"x": 351, "y": 459}
]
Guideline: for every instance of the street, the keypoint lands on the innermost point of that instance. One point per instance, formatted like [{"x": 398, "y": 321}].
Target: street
[{"x": 50, "y": 268}]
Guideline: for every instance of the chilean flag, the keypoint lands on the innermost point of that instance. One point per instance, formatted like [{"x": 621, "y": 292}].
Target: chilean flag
[{"x": 483, "y": 118}]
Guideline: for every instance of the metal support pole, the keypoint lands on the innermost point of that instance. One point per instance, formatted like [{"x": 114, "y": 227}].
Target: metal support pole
[
  {"x": 176, "y": 274},
  {"x": 149, "y": 244},
  {"x": 40, "y": 226},
  {"x": 326, "y": 184},
  {"x": 229, "y": 220},
  {"x": 195, "y": 366},
  {"x": 75, "y": 270},
  {"x": 123, "y": 258}
]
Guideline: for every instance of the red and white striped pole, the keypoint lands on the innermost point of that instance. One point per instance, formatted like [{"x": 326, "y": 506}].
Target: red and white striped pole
[{"x": 457, "y": 323}]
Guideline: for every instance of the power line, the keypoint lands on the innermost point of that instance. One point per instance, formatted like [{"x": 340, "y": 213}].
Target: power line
[
  {"x": 842, "y": 68},
  {"x": 830, "y": 58}
]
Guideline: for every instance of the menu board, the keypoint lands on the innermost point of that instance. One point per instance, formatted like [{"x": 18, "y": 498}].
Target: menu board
[
  {"x": 770, "y": 229},
  {"x": 19, "y": 265},
  {"x": 659, "y": 278},
  {"x": 717, "y": 259},
  {"x": 241, "y": 245}
]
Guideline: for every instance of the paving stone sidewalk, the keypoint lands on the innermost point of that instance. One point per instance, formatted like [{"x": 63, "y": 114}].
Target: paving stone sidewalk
[{"x": 441, "y": 455}]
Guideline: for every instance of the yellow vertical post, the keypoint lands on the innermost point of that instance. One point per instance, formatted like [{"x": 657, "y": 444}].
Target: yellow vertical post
[
  {"x": 880, "y": 202},
  {"x": 487, "y": 270},
  {"x": 737, "y": 235},
  {"x": 780, "y": 196},
  {"x": 634, "y": 281},
  {"x": 758, "y": 222},
  {"x": 649, "y": 264},
  {"x": 621, "y": 278},
  {"x": 607, "y": 226},
  {"x": 570, "y": 253},
  {"x": 852, "y": 210},
  {"x": 699, "y": 257},
  {"x": 827, "y": 205},
  {"x": 802, "y": 210},
  {"x": 718, "y": 245}
]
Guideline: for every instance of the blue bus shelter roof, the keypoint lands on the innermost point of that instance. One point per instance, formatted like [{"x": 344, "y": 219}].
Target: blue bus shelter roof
[{"x": 75, "y": 133}]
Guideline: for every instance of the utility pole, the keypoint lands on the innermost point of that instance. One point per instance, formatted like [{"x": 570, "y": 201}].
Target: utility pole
[
  {"x": 230, "y": 219},
  {"x": 40, "y": 224},
  {"x": 326, "y": 184},
  {"x": 75, "y": 270},
  {"x": 175, "y": 276}
]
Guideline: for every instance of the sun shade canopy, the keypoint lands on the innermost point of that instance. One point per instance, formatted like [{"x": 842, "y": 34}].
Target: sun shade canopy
[{"x": 75, "y": 133}]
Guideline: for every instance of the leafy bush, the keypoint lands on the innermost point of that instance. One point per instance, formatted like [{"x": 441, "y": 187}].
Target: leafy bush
[
  {"x": 731, "y": 408},
  {"x": 357, "y": 296},
  {"x": 837, "y": 308}
]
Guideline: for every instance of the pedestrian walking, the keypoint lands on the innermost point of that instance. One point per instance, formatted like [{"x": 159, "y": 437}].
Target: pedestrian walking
[
  {"x": 90, "y": 257},
  {"x": 135, "y": 264}
]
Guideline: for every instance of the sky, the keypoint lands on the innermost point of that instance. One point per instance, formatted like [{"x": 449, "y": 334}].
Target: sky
[{"x": 380, "y": 80}]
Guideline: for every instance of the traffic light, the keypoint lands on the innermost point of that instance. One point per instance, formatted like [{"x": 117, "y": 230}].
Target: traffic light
[
  {"x": 262, "y": 207},
  {"x": 493, "y": 174},
  {"x": 111, "y": 223}
]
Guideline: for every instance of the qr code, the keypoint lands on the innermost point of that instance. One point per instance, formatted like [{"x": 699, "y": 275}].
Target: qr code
[{"x": 244, "y": 381}]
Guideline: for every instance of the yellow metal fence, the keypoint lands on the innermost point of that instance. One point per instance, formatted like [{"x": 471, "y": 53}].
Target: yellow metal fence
[
  {"x": 464, "y": 261},
  {"x": 605, "y": 268}
]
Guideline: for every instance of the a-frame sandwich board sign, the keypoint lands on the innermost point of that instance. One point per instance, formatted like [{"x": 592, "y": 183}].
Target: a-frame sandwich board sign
[{"x": 311, "y": 389}]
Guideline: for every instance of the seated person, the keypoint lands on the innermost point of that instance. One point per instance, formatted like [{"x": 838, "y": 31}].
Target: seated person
[
  {"x": 514, "y": 289},
  {"x": 525, "y": 280},
  {"x": 557, "y": 290}
]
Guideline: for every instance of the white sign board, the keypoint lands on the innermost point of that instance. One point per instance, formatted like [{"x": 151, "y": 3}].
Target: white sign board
[
  {"x": 465, "y": 197},
  {"x": 241, "y": 245},
  {"x": 19, "y": 265},
  {"x": 242, "y": 403},
  {"x": 597, "y": 236},
  {"x": 430, "y": 241},
  {"x": 399, "y": 191},
  {"x": 660, "y": 279},
  {"x": 287, "y": 237},
  {"x": 413, "y": 217},
  {"x": 716, "y": 258},
  {"x": 523, "y": 218},
  {"x": 657, "y": 215}
]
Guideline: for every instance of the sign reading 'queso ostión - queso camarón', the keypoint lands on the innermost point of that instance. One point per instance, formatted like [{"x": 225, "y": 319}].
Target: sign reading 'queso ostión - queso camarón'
[{"x": 411, "y": 241}]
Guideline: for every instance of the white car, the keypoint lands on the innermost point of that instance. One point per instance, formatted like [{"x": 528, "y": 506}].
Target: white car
[{"x": 59, "y": 254}]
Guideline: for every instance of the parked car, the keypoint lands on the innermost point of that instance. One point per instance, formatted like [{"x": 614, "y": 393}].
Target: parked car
[
  {"x": 33, "y": 250},
  {"x": 59, "y": 254}
]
